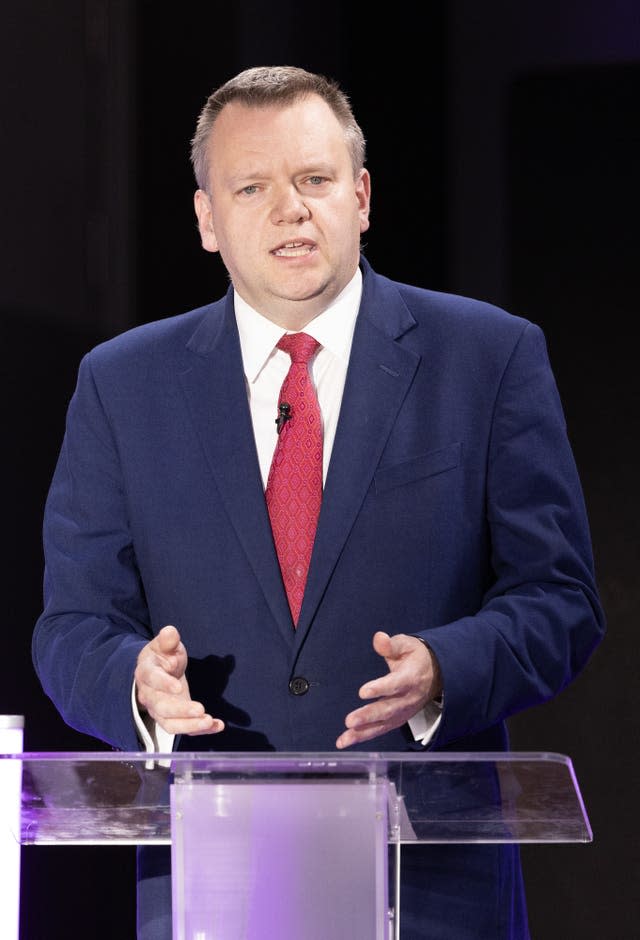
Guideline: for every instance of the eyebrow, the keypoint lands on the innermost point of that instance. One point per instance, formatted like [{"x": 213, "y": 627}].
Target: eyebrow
[{"x": 310, "y": 169}]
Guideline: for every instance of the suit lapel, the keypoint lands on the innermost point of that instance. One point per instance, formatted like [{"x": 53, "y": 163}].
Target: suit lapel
[
  {"x": 214, "y": 385},
  {"x": 380, "y": 373}
]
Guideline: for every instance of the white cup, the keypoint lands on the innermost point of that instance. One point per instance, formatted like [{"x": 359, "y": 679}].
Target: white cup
[{"x": 11, "y": 742}]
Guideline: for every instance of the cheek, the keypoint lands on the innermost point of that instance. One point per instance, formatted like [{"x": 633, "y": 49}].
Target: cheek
[
  {"x": 239, "y": 248},
  {"x": 241, "y": 231}
]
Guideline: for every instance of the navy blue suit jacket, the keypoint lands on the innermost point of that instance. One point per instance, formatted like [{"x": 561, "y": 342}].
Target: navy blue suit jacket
[{"x": 452, "y": 510}]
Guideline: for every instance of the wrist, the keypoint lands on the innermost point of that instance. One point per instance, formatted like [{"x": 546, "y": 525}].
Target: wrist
[{"x": 437, "y": 691}]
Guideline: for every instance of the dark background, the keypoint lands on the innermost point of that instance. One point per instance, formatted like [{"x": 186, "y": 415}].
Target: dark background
[{"x": 504, "y": 145}]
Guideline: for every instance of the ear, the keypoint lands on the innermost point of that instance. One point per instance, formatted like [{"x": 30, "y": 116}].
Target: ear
[
  {"x": 363, "y": 195},
  {"x": 202, "y": 205}
]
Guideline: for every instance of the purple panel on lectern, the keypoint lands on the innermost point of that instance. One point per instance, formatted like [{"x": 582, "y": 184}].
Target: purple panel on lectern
[{"x": 268, "y": 860}]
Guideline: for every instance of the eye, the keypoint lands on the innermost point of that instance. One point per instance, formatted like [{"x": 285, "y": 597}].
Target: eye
[
  {"x": 249, "y": 190},
  {"x": 316, "y": 180}
]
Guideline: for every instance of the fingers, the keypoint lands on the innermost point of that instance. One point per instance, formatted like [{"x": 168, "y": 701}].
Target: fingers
[
  {"x": 178, "y": 717},
  {"x": 371, "y": 721},
  {"x": 379, "y": 717},
  {"x": 162, "y": 689},
  {"x": 175, "y": 711},
  {"x": 412, "y": 680},
  {"x": 364, "y": 726}
]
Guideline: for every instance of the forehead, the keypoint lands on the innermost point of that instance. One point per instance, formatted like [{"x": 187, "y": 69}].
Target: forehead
[{"x": 305, "y": 129}]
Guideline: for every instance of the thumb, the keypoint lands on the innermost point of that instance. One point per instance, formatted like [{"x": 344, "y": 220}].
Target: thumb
[
  {"x": 393, "y": 648},
  {"x": 170, "y": 650},
  {"x": 167, "y": 641},
  {"x": 382, "y": 644}
]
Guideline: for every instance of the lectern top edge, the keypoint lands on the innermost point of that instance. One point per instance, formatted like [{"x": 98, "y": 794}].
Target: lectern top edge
[{"x": 335, "y": 757}]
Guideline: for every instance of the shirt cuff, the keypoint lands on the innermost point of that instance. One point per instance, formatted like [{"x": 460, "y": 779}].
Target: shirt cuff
[
  {"x": 154, "y": 738},
  {"x": 425, "y": 723}
]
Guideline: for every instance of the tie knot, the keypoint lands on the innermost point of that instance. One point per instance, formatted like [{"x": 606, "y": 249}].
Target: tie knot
[{"x": 300, "y": 346}]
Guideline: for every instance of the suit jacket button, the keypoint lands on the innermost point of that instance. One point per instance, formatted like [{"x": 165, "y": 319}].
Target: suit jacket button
[{"x": 298, "y": 685}]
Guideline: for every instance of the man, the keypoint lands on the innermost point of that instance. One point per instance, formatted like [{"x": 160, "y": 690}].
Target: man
[{"x": 448, "y": 581}]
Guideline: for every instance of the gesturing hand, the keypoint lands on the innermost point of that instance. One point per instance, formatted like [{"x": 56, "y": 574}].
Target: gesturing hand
[
  {"x": 412, "y": 681},
  {"x": 162, "y": 689}
]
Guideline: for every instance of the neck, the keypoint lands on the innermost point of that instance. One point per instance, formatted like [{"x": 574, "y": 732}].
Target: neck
[
  {"x": 291, "y": 314},
  {"x": 294, "y": 320}
]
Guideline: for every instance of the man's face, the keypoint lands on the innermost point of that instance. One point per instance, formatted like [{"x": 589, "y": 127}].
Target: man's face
[{"x": 283, "y": 208}]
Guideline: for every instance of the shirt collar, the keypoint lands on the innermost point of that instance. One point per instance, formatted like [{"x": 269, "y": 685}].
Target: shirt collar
[{"x": 333, "y": 328}]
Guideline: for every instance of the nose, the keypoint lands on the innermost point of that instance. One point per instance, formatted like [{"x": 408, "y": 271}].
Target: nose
[{"x": 289, "y": 207}]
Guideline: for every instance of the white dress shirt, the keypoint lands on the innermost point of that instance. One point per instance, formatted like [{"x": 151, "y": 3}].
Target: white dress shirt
[{"x": 265, "y": 367}]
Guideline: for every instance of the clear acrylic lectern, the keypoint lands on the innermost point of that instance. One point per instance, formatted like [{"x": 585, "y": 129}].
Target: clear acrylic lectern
[{"x": 262, "y": 843}]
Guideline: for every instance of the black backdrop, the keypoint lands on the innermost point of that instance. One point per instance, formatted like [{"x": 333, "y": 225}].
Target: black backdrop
[{"x": 489, "y": 138}]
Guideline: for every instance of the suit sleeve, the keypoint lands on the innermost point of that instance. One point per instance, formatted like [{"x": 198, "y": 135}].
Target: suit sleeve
[
  {"x": 95, "y": 619},
  {"x": 541, "y": 617}
]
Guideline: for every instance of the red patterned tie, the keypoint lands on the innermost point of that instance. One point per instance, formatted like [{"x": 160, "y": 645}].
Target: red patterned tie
[{"x": 294, "y": 487}]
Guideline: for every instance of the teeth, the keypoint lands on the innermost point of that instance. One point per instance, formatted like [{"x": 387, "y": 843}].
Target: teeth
[{"x": 293, "y": 250}]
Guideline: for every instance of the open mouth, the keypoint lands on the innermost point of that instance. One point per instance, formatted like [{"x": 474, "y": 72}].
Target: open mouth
[{"x": 294, "y": 249}]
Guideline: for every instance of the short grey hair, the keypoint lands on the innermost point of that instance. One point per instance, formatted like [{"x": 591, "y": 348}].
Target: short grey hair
[{"x": 274, "y": 85}]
